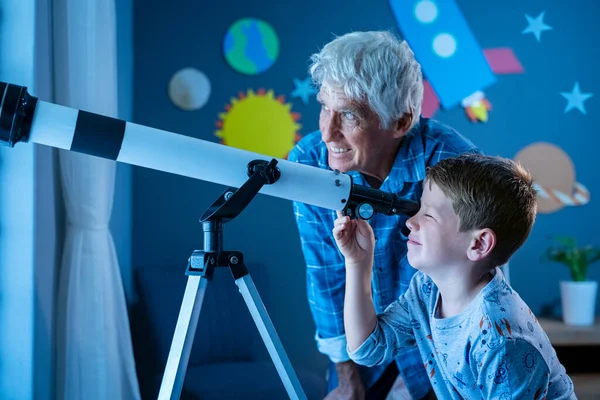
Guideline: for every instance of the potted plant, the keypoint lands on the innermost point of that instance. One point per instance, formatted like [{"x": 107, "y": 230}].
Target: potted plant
[{"x": 578, "y": 296}]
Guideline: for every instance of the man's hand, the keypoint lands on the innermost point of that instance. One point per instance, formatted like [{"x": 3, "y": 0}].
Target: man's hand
[
  {"x": 354, "y": 238},
  {"x": 350, "y": 385}
]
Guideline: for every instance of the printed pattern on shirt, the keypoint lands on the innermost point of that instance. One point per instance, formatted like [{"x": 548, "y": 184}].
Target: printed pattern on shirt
[{"x": 493, "y": 349}]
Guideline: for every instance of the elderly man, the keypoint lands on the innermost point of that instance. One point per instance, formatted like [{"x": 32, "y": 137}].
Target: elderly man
[{"x": 370, "y": 126}]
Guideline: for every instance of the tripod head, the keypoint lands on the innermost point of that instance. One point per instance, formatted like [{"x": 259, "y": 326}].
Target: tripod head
[{"x": 233, "y": 201}]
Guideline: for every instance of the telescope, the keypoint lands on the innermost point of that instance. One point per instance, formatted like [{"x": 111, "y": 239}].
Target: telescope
[{"x": 25, "y": 118}]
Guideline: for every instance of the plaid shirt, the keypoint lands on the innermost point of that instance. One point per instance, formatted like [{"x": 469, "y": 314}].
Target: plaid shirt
[{"x": 426, "y": 144}]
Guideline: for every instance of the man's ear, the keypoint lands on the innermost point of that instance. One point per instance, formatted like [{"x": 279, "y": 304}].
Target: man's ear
[
  {"x": 483, "y": 242},
  {"x": 402, "y": 125}
]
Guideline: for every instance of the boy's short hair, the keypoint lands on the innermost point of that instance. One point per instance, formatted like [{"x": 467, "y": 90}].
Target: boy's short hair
[{"x": 489, "y": 192}]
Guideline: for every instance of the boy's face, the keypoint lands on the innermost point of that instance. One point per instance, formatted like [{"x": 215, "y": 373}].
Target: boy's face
[{"x": 435, "y": 241}]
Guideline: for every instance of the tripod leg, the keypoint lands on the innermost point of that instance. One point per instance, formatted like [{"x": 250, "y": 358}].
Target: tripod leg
[
  {"x": 269, "y": 335},
  {"x": 179, "y": 355}
]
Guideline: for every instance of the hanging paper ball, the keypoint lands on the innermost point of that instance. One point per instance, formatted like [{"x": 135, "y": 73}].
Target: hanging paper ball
[{"x": 189, "y": 89}]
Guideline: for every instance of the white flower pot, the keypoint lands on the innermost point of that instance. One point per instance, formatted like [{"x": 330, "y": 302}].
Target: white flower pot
[{"x": 578, "y": 302}]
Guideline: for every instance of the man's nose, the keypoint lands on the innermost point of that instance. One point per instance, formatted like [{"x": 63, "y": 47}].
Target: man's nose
[{"x": 330, "y": 129}]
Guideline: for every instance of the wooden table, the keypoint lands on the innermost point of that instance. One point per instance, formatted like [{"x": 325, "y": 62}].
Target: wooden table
[
  {"x": 587, "y": 386},
  {"x": 565, "y": 335}
]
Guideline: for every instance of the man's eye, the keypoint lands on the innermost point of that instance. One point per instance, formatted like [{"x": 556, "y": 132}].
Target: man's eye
[
  {"x": 428, "y": 216},
  {"x": 349, "y": 116}
]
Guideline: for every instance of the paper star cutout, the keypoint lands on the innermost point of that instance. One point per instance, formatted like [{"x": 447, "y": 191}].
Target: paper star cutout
[
  {"x": 304, "y": 89},
  {"x": 575, "y": 98},
  {"x": 536, "y": 25}
]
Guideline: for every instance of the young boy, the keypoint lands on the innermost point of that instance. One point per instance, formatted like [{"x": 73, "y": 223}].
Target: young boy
[{"x": 477, "y": 337}]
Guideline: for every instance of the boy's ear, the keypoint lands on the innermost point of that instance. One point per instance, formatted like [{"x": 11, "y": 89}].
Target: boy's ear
[{"x": 482, "y": 243}]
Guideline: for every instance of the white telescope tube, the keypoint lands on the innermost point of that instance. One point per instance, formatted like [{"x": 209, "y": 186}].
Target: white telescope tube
[
  {"x": 71, "y": 129},
  {"x": 24, "y": 118},
  {"x": 55, "y": 126}
]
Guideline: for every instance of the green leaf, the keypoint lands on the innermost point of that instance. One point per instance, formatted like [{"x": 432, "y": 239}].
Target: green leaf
[{"x": 565, "y": 251}]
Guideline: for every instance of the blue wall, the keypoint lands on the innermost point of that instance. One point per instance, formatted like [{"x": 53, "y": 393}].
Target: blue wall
[{"x": 526, "y": 108}]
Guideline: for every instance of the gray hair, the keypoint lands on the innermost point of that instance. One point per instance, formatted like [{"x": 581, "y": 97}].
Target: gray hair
[{"x": 375, "y": 67}]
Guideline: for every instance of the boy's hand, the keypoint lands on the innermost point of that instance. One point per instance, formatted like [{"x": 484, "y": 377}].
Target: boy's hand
[{"x": 354, "y": 238}]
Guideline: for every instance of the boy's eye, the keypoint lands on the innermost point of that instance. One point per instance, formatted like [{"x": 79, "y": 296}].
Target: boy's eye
[{"x": 428, "y": 216}]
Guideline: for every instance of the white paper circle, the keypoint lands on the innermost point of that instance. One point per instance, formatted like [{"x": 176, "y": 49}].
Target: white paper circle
[
  {"x": 426, "y": 11},
  {"x": 444, "y": 45},
  {"x": 189, "y": 89}
]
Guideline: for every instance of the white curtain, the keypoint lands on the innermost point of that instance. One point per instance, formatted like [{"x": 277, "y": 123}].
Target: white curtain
[{"x": 94, "y": 351}]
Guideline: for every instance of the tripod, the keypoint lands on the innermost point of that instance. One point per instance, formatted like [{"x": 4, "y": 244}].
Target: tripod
[{"x": 200, "y": 270}]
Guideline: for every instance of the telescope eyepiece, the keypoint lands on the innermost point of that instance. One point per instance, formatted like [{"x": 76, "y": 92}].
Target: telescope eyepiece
[{"x": 365, "y": 202}]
